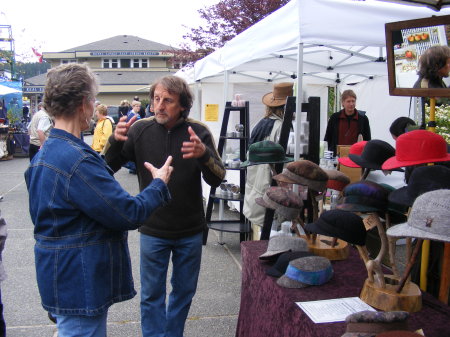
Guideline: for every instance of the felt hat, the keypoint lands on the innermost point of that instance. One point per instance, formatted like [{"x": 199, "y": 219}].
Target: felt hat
[
  {"x": 285, "y": 202},
  {"x": 429, "y": 218},
  {"x": 396, "y": 211},
  {"x": 337, "y": 180},
  {"x": 304, "y": 172},
  {"x": 364, "y": 196},
  {"x": 369, "y": 323},
  {"x": 399, "y": 333},
  {"x": 280, "y": 266},
  {"x": 279, "y": 95},
  {"x": 265, "y": 152},
  {"x": 418, "y": 147},
  {"x": 374, "y": 154},
  {"x": 306, "y": 271},
  {"x": 340, "y": 224},
  {"x": 400, "y": 125},
  {"x": 280, "y": 244},
  {"x": 423, "y": 179},
  {"x": 357, "y": 149}
]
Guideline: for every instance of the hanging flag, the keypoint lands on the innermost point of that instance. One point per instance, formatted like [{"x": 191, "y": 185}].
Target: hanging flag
[{"x": 37, "y": 54}]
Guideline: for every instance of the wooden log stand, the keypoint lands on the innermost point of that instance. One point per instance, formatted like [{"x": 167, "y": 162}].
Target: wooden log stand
[{"x": 322, "y": 245}]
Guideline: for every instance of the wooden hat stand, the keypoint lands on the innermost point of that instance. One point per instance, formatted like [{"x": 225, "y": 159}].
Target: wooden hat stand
[
  {"x": 387, "y": 292},
  {"x": 332, "y": 248}
]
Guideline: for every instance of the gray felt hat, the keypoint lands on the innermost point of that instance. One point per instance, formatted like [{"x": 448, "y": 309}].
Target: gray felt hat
[
  {"x": 369, "y": 323},
  {"x": 306, "y": 271},
  {"x": 429, "y": 218},
  {"x": 285, "y": 202},
  {"x": 280, "y": 244}
]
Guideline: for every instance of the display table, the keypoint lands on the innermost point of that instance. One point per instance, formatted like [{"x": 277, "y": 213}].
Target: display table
[
  {"x": 22, "y": 144},
  {"x": 270, "y": 310}
]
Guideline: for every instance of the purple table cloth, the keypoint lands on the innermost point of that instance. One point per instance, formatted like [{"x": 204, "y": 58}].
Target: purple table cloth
[{"x": 269, "y": 310}]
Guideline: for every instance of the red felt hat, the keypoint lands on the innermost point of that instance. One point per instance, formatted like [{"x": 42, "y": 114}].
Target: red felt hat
[
  {"x": 357, "y": 149},
  {"x": 417, "y": 147}
]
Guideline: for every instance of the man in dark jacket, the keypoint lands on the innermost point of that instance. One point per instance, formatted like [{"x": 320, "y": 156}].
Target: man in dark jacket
[
  {"x": 346, "y": 125},
  {"x": 177, "y": 227}
]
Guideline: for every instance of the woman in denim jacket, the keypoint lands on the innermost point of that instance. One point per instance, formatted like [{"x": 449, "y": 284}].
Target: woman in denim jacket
[{"x": 80, "y": 212}]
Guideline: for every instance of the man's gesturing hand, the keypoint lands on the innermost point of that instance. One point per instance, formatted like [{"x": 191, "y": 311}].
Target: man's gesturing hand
[
  {"x": 163, "y": 173},
  {"x": 193, "y": 149},
  {"x": 120, "y": 133}
]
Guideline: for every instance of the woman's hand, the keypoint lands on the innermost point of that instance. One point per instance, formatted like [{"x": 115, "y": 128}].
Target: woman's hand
[{"x": 163, "y": 173}]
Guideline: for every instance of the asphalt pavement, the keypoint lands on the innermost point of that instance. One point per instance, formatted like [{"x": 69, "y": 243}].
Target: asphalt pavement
[{"x": 214, "y": 309}]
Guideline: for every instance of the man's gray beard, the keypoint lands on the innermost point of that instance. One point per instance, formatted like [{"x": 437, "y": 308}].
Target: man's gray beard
[{"x": 161, "y": 120}]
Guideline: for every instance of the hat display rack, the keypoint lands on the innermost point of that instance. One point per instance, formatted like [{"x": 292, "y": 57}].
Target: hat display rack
[{"x": 310, "y": 175}]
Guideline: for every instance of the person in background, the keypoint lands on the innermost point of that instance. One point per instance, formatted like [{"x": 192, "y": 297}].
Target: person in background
[
  {"x": 434, "y": 65},
  {"x": 82, "y": 259},
  {"x": 25, "y": 113},
  {"x": 259, "y": 177},
  {"x": 103, "y": 129},
  {"x": 141, "y": 108},
  {"x": 38, "y": 129},
  {"x": 135, "y": 108},
  {"x": 176, "y": 230},
  {"x": 347, "y": 125},
  {"x": 124, "y": 108},
  {"x": 400, "y": 126},
  {"x": 3, "y": 235}
]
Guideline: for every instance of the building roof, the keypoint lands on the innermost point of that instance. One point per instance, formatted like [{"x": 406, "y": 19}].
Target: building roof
[{"x": 122, "y": 42}]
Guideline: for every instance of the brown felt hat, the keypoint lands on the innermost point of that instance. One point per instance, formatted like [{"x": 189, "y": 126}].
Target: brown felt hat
[
  {"x": 285, "y": 202},
  {"x": 279, "y": 95},
  {"x": 304, "y": 172},
  {"x": 370, "y": 323},
  {"x": 337, "y": 180}
]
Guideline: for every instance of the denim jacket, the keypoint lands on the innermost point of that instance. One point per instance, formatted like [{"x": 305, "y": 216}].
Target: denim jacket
[{"x": 81, "y": 216}]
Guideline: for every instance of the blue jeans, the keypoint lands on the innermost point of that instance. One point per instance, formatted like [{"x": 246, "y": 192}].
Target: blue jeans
[
  {"x": 81, "y": 326},
  {"x": 156, "y": 319}
]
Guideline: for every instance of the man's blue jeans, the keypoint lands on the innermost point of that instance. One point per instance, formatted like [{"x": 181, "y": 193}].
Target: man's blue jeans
[
  {"x": 81, "y": 326},
  {"x": 156, "y": 319}
]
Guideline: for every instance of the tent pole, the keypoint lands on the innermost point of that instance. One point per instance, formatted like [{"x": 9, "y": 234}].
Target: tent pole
[
  {"x": 225, "y": 88},
  {"x": 298, "y": 106}
]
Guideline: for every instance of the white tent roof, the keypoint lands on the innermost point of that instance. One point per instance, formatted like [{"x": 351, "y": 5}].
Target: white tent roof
[{"x": 338, "y": 36}]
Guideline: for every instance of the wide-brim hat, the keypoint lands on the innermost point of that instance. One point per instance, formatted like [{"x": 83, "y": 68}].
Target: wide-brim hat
[
  {"x": 423, "y": 179},
  {"x": 337, "y": 180},
  {"x": 369, "y": 323},
  {"x": 418, "y": 147},
  {"x": 280, "y": 266},
  {"x": 280, "y": 244},
  {"x": 279, "y": 95},
  {"x": 374, "y": 154},
  {"x": 364, "y": 196},
  {"x": 266, "y": 152},
  {"x": 357, "y": 149},
  {"x": 284, "y": 201},
  {"x": 340, "y": 224},
  {"x": 304, "y": 172},
  {"x": 429, "y": 218},
  {"x": 306, "y": 271}
]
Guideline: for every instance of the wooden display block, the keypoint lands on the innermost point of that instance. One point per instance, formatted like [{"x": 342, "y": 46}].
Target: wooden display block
[
  {"x": 321, "y": 246},
  {"x": 387, "y": 299},
  {"x": 353, "y": 173}
]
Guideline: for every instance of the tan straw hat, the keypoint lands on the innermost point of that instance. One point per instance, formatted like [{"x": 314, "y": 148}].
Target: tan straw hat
[{"x": 279, "y": 94}]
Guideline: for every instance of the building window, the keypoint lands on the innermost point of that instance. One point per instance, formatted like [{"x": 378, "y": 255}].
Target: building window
[
  {"x": 125, "y": 63},
  {"x": 65, "y": 61}
]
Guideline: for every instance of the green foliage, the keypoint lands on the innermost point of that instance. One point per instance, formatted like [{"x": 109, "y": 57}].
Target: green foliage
[
  {"x": 27, "y": 70},
  {"x": 14, "y": 115},
  {"x": 442, "y": 114}
]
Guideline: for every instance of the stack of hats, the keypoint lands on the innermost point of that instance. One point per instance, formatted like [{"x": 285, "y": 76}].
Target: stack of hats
[
  {"x": 306, "y": 271},
  {"x": 429, "y": 218},
  {"x": 265, "y": 152},
  {"x": 375, "y": 153},
  {"x": 285, "y": 202},
  {"x": 282, "y": 262},
  {"x": 369, "y": 323},
  {"x": 304, "y": 172},
  {"x": 340, "y": 224},
  {"x": 417, "y": 147},
  {"x": 355, "y": 149},
  {"x": 337, "y": 180},
  {"x": 281, "y": 244}
]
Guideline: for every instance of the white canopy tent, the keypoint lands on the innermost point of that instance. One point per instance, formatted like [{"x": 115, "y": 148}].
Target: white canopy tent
[{"x": 316, "y": 42}]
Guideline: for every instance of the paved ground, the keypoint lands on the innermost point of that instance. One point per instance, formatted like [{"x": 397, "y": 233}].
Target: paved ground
[{"x": 215, "y": 307}]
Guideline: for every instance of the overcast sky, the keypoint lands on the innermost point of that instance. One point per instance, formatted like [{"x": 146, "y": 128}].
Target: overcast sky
[{"x": 55, "y": 25}]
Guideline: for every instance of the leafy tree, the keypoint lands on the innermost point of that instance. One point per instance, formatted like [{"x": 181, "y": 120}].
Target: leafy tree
[
  {"x": 27, "y": 70},
  {"x": 224, "y": 21}
]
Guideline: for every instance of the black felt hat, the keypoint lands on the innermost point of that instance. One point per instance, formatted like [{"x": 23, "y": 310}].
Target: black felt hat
[
  {"x": 375, "y": 153},
  {"x": 280, "y": 266},
  {"x": 339, "y": 224},
  {"x": 423, "y": 179}
]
